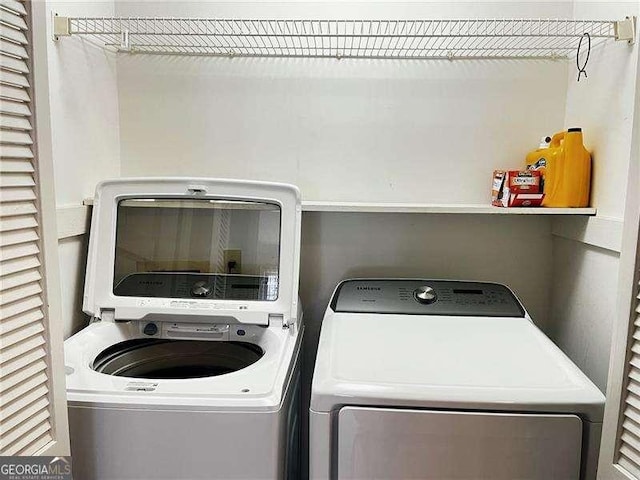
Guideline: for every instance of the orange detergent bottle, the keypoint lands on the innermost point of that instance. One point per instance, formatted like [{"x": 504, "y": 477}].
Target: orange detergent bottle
[{"x": 566, "y": 169}]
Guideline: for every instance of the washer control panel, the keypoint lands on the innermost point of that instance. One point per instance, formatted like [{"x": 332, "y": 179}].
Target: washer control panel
[
  {"x": 426, "y": 297},
  {"x": 197, "y": 285}
]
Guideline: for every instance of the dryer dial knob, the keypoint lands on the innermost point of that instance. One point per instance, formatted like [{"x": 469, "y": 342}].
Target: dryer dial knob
[
  {"x": 200, "y": 289},
  {"x": 425, "y": 295}
]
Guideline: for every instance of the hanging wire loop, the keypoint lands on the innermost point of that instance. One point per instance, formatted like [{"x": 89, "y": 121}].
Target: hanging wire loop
[{"x": 582, "y": 68}]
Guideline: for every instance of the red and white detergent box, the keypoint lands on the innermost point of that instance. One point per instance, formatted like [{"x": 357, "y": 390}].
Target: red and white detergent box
[{"x": 516, "y": 188}]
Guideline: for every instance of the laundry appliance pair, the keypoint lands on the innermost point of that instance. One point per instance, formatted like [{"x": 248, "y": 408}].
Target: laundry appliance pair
[{"x": 190, "y": 367}]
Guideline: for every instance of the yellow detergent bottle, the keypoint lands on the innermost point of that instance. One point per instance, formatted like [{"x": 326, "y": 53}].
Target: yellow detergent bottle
[{"x": 566, "y": 169}]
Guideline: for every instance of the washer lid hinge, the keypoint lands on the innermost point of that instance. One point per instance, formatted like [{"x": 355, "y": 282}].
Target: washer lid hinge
[
  {"x": 277, "y": 319},
  {"x": 291, "y": 323},
  {"x": 108, "y": 315}
]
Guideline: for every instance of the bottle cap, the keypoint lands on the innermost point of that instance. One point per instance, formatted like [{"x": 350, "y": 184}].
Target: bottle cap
[
  {"x": 544, "y": 142},
  {"x": 575, "y": 129}
]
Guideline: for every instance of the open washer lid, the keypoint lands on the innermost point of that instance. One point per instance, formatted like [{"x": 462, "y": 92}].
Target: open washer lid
[{"x": 189, "y": 249}]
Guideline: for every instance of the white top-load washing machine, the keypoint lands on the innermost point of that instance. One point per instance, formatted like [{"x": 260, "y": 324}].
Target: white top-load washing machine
[
  {"x": 189, "y": 368},
  {"x": 433, "y": 379}
]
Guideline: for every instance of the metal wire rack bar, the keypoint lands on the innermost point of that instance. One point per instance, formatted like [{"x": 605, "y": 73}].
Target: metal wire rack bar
[{"x": 394, "y": 39}]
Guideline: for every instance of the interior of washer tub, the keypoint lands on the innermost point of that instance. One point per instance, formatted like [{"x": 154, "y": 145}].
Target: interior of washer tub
[{"x": 155, "y": 358}]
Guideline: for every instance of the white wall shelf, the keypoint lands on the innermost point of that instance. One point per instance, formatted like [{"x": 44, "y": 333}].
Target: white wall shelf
[
  {"x": 479, "y": 208},
  {"x": 379, "y": 39},
  {"x": 311, "y": 206}
]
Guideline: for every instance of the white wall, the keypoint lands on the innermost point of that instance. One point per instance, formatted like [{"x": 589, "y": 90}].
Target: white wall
[
  {"x": 85, "y": 137},
  {"x": 584, "y": 281},
  {"x": 583, "y": 305},
  {"x": 603, "y": 105},
  {"x": 341, "y": 130}
]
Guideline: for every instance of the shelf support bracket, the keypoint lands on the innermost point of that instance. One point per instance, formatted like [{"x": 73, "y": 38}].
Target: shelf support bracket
[
  {"x": 61, "y": 26},
  {"x": 125, "y": 43},
  {"x": 626, "y": 30}
]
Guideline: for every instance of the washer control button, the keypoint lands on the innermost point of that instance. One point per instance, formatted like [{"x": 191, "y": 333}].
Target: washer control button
[
  {"x": 150, "y": 329},
  {"x": 200, "y": 289},
  {"x": 425, "y": 294}
]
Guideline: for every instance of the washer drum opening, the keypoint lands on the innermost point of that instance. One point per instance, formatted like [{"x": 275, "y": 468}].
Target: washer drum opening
[{"x": 175, "y": 359}]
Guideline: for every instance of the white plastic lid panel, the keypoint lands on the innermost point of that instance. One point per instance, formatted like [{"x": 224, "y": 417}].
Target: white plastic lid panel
[{"x": 192, "y": 249}]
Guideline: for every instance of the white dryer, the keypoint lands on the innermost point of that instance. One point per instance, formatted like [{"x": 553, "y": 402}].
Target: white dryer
[
  {"x": 189, "y": 368},
  {"x": 433, "y": 379}
]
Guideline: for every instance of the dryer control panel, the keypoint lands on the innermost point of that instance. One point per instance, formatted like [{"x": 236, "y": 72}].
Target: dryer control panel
[{"x": 426, "y": 297}]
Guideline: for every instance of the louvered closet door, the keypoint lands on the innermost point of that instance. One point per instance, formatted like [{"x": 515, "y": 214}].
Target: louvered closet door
[
  {"x": 629, "y": 449},
  {"x": 25, "y": 410}
]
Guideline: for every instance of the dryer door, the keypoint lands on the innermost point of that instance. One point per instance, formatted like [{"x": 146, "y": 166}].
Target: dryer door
[{"x": 381, "y": 443}]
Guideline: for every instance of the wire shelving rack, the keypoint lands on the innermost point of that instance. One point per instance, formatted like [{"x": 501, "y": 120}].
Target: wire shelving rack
[{"x": 374, "y": 39}]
